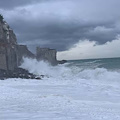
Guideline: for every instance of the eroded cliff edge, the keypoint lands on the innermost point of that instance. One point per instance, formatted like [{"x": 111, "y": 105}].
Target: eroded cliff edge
[{"x": 11, "y": 53}]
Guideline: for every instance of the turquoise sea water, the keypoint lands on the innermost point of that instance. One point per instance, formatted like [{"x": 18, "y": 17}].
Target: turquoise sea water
[
  {"x": 90, "y": 69},
  {"x": 107, "y": 63}
]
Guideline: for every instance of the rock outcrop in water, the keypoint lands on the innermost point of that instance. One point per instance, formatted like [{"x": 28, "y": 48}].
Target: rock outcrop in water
[
  {"x": 11, "y": 54},
  {"x": 47, "y": 54}
]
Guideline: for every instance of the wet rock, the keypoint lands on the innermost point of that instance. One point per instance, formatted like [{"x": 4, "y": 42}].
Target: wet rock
[
  {"x": 62, "y": 61},
  {"x": 17, "y": 73},
  {"x": 46, "y": 54}
]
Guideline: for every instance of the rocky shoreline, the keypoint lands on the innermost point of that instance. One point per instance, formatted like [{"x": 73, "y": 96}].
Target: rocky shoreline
[{"x": 18, "y": 73}]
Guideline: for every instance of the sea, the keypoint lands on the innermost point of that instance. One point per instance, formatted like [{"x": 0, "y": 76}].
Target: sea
[
  {"x": 77, "y": 90},
  {"x": 76, "y": 69},
  {"x": 106, "y": 63}
]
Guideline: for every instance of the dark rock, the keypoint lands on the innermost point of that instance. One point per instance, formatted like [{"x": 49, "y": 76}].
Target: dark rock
[
  {"x": 62, "y": 61},
  {"x": 11, "y": 57},
  {"x": 17, "y": 73},
  {"x": 46, "y": 54},
  {"x": 8, "y": 60},
  {"x": 8, "y": 41},
  {"x": 22, "y": 51},
  {"x": 1, "y": 18}
]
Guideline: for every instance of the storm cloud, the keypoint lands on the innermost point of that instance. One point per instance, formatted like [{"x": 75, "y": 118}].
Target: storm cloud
[{"x": 60, "y": 24}]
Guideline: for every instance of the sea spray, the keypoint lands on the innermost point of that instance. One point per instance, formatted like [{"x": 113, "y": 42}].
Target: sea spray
[
  {"x": 70, "y": 91},
  {"x": 44, "y": 68},
  {"x": 69, "y": 71}
]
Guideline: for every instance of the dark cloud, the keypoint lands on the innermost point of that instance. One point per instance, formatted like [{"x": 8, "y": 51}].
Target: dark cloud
[
  {"x": 62, "y": 35},
  {"x": 10, "y": 4},
  {"x": 60, "y": 25}
]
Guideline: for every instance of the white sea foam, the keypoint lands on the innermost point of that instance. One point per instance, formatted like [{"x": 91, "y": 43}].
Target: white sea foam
[
  {"x": 69, "y": 72},
  {"x": 44, "y": 68},
  {"x": 67, "y": 93}
]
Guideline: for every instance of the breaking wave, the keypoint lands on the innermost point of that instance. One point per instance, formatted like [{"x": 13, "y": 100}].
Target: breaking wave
[{"x": 68, "y": 71}]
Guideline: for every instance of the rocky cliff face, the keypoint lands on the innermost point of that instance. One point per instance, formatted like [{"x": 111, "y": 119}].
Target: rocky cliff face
[
  {"x": 3, "y": 62},
  {"x": 46, "y": 54},
  {"x": 22, "y": 51},
  {"x": 7, "y": 47},
  {"x": 6, "y": 34},
  {"x": 11, "y": 53}
]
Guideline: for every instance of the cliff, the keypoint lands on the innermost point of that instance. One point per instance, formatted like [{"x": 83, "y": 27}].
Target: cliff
[
  {"x": 8, "y": 56},
  {"x": 11, "y": 53},
  {"x": 22, "y": 51},
  {"x": 46, "y": 54}
]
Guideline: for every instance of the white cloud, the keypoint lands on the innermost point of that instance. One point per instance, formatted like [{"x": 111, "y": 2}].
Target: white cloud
[
  {"x": 87, "y": 49},
  {"x": 99, "y": 19},
  {"x": 100, "y": 29}
]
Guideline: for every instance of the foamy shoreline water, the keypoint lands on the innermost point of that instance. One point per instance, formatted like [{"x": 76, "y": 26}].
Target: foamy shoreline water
[
  {"x": 52, "y": 99},
  {"x": 66, "y": 93}
]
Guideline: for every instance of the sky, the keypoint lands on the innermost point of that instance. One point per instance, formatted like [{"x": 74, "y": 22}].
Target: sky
[{"x": 77, "y": 29}]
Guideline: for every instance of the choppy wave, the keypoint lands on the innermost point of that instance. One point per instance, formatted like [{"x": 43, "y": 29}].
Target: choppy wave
[{"x": 70, "y": 72}]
